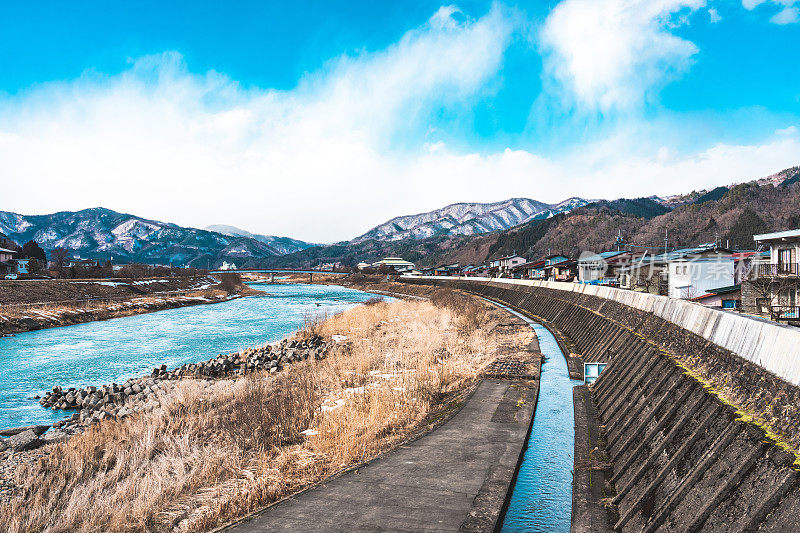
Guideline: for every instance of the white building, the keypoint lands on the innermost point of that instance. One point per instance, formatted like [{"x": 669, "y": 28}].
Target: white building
[
  {"x": 398, "y": 264},
  {"x": 784, "y": 252},
  {"x": 774, "y": 286},
  {"x": 504, "y": 265},
  {"x": 696, "y": 273},
  {"x": 228, "y": 266}
]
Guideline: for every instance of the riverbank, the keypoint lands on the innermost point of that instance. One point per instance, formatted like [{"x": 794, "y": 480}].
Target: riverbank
[
  {"x": 219, "y": 448},
  {"x": 40, "y": 304}
]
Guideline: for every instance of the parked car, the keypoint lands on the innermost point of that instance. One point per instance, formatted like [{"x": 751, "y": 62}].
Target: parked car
[{"x": 11, "y": 276}]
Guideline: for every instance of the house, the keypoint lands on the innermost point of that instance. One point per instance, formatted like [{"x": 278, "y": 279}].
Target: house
[
  {"x": 694, "y": 272},
  {"x": 592, "y": 268},
  {"x": 530, "y": 270},
  {"x": 481, "y": 271},
  {"x": 773, "y": 285},
  {"x": 549, "y": 262},
  {"x": 566, "y": 270},
  {"x": 664, "y": 273},
  {"x": 604, "y": 268},
  {"x": 228, "y": 266},
  {"x": 6, "y": 255},
  {"x": 330, "y": 267},
  {"x": 646, "y": 273},
  {"x": 723, "y": 297},
  {"x": 447, "y": 270},
  {"x": 503, "y": 267},
  {"x": 22, "y": 266},
  {"x": 7, "y": 266},
  {"x": 362, "y": 265},
  {"x": 83, "y": 263},
  {"x": 398, "y": 264}
]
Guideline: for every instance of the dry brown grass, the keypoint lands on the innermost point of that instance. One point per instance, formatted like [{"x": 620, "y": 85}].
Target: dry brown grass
[{"x": 218, "y": 450}]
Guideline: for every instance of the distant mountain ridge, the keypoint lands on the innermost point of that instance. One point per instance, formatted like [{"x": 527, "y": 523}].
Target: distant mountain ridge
[
  {"x": 467, "y": 219},
  {"x": 728, "y": 214},
  {"x": 283, "y": 245},
  {"x": 784, "y": 178},
  {"x": 101, "y": 234},
  {"x": 462, "y": 232}
]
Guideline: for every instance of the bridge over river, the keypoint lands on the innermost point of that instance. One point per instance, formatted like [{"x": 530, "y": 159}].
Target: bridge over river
[{"x": 274, "y": 271}]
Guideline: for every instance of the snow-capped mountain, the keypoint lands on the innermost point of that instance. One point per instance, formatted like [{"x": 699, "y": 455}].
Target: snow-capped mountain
[
  {"x": 468, "y": 219},
  {"x": 283, "y": 245},
  {"x": 101, "y": 234}
]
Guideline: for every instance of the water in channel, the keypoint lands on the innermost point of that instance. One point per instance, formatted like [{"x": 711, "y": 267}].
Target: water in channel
[
  {"x": 542, "y": 496},
  {"x": 114, "y": 350}
]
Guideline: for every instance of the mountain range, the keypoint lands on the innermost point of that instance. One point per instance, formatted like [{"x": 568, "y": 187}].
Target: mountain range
[
  {"x": 729, "y": 214},
  {"x": 281, "y": 245},
  {"x": 467, "y": 219},
  {"x": 102, "y": 234},
  {"x": 462, "y": 232}
]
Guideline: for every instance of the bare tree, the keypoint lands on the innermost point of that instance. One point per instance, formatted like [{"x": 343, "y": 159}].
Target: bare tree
[{"x": 59, "y": 256}]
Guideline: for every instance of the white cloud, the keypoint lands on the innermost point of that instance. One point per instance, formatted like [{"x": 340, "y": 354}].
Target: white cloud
[
  {"x": 162, "y": 142},
  {"x": 319, "y": 161},
  {"x": 788, "y": 14},
  {"x": 789, "y": 131},
  {"x": 611, "y": 53},
  {"x": 713, "y": 16}
]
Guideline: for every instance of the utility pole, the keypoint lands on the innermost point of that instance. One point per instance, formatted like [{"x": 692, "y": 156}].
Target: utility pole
[{"x": 666, "y": 240}]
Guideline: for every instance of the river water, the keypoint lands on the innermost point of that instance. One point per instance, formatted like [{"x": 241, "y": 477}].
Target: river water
[
  {"x": 542, "y": 496},
  {"x": 114, "y": 350}
]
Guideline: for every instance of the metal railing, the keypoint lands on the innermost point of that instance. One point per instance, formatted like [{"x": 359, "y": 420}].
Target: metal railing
[
  {"x": 784, "y": 312},
  {"x": 774, "y": 270}
]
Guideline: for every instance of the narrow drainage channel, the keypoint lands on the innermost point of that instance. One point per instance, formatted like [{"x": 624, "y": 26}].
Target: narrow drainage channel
[{"x": 541, "y": 499}]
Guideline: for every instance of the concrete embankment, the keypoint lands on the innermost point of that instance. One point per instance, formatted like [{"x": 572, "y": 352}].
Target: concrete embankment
[
  {"x": 682, "y": 459},
  {"x": 673, "y": 455},
  {"x": 598, "y": 329}
]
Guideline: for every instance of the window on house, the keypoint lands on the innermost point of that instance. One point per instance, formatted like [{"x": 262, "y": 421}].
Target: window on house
[
  {"x": 784, "y": 257},
  {"x": 787, "y": 297}
]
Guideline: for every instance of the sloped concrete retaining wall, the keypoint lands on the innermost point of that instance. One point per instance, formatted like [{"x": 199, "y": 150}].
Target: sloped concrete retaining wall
[{"x": 680, "y": 459}]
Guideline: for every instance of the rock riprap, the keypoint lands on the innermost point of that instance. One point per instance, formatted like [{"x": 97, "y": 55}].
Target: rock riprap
[{"x": 93, "y": 404}]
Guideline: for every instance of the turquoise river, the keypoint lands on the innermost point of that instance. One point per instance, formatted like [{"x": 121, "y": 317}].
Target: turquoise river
[{"x": 114, "y": 350}]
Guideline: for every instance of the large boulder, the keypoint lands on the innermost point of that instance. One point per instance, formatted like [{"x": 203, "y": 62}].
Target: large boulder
[
  {"x": 55, "y": 435},
  {"x": 27, "y": 440},
  {"x": 16, "y": 431}
]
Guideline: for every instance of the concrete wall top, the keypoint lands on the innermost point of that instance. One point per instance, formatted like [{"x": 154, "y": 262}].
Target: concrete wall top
[{"x": 774, "y": 347}]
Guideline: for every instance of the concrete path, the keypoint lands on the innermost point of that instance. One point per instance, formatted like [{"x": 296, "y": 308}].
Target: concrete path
[{"x": 456, "y": 477}]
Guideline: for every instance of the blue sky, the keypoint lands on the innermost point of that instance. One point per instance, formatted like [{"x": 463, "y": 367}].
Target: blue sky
[{"x": 321, "y": 119}]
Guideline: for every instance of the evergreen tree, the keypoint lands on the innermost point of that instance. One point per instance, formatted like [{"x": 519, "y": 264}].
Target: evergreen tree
[{"x": 32, "y": 250}]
